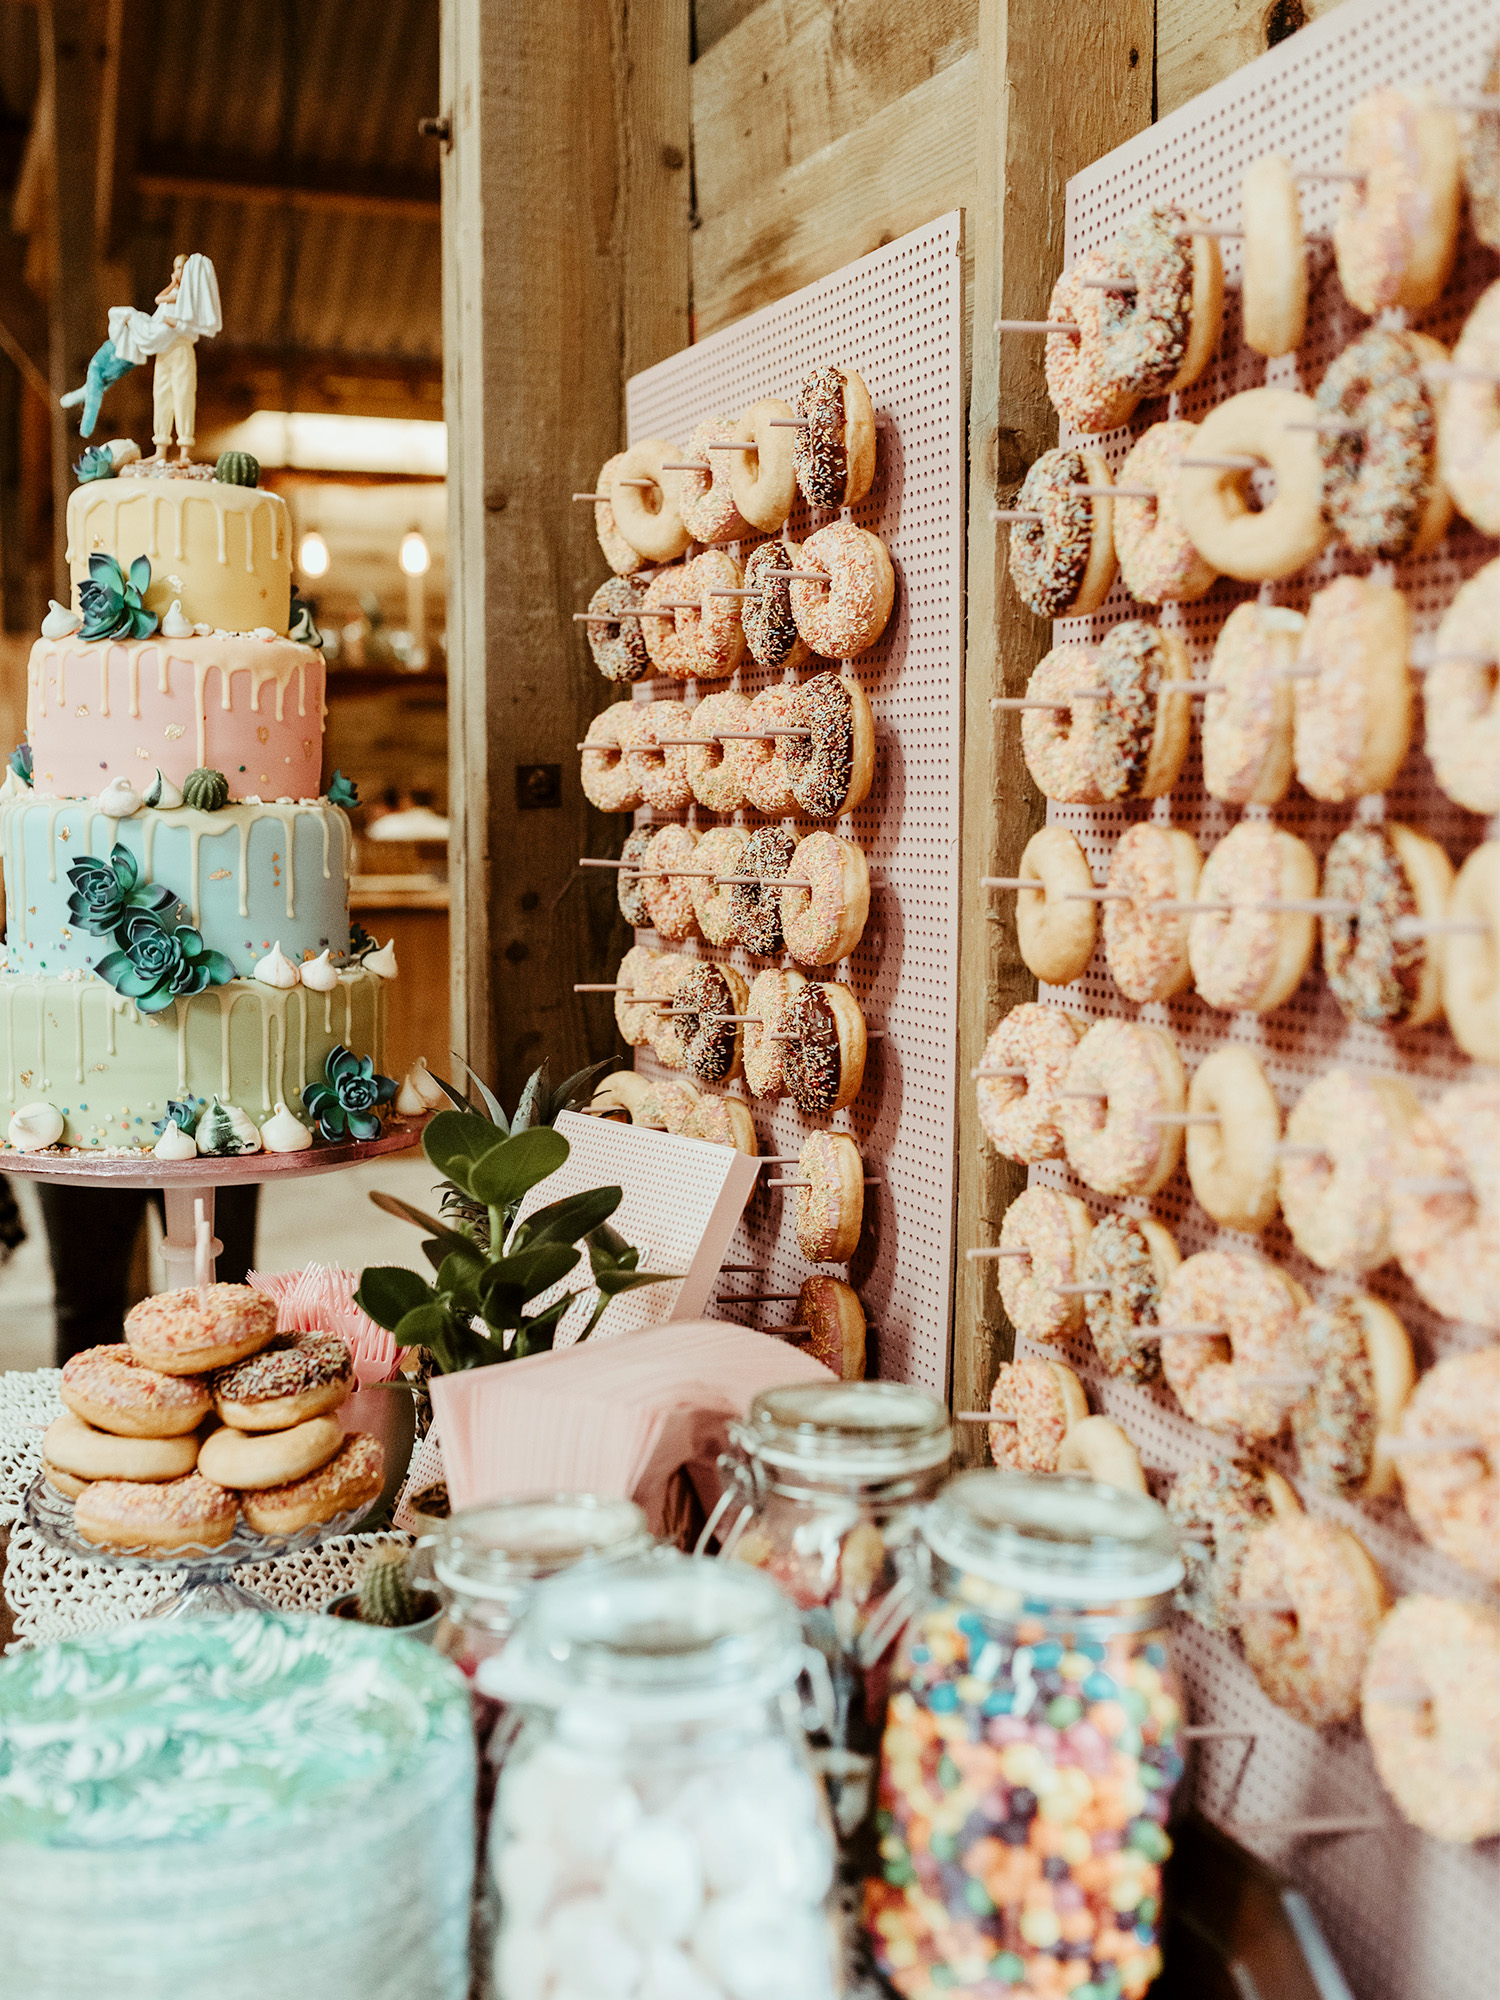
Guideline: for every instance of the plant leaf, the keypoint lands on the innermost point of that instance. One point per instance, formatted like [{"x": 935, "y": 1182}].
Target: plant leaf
[
  {"x": 455, "y": 1141},
  {"x": 572, "y": 1218},
  {"x": 528, "y": 1109},
  {"x": 612, "y": 1283},
  {"x": 526, "y": 1274},
  {"x": 454, "y": 1096},
  {"x": 512, "y": 1168},
  {"x": 567, "y": 1094},
  {"x": 388, "y": 1292},
  {"x": 491, "y": 1103},
  {"x": 451, "y": 1239}
]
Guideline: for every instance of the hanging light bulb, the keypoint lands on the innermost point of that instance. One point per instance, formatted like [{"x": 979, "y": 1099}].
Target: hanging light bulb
[
  {"x": 415, "y": 558},
  {"x": 312, "y": 556}
]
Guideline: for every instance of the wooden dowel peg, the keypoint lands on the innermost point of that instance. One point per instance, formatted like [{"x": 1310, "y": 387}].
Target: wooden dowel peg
[
  {"x": 1202, "y": 1732},
  {"x": 1415, "y": 1447},
  {"x": 870, "y": 1181},
  {"x": 1297, "y": 674},
  {"x": 1192, "y": 687},
  {"x": 1113, "y": 492},
  {"x": 733, "y": 444},
  {"x": 775, "y": 1160},
  {"x": 1431, "y": 1183},
  {"x": 1009, "y": 882},
  {"x": 1036, "y": 326},
  {"x": 1085, "y": 1096},
  {"x": 755, "y": 735},
  {"x": 1451, "y": 371},
  {"x": 1226, "y": 230},
  {"x": 591, "y": 496},
  {"x": 1287, "y": 1150},
  {"x": 1176, "y": 1332},
  {"x": 646, "y": 484},
  {"x": 1476, "y": 104},
  {"x": 1298, "y": 1378},
  {"x": 740, "y": 1270},
  {"x": 871, "y": 1035},
  {"x": 1013, "y": 514},
  {"x": 757, "y": 1298},
  {"x": 757, "y": 595},
  {"x": 1082, "y": 1291},
  {"x": 788, "y": 423},
  {"x": 1235, "y": 464},
  {"x": 707, "y": 1013},
  {"x": 1430, "y": 660},
  {"x": 592, "y": 861},
  {"x": 1329, "y": 174},
  {"x": 765, "y": 881},
  {"x": 1184, "y": 1118},
  {"x": 975, "y": 1255},
  {"x": 1328, "y": 427},
  {"x": 1013, "y": 1069},
  {"x": 1098, "y": 896},
  {"x": 686, "y": 465},
  {"x": 1021, "y": 702},
  {"x": 802, "y": 575},
  {"x": 607, "y": 617},
  {"x": 1405, "y": 929},
  {"x": 981, "y": 1417},
  {"x": 1311, "y": 1826},
  {"x": 1254, "y": 1607},
  {"x": 588, "y": 987},
  {"x": 1309, "y": 906},
  {"x": 1182, "y": 908},
  {"x": 1127, "y": 285}
]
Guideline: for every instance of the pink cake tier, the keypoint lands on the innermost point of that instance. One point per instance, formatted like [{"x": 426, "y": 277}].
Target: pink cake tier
[{"x": 108, "y": 708}]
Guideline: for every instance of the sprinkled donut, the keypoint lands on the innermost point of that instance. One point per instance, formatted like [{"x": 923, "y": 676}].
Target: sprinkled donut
[
  {"x": 667, "y": 639},
  {"x": 831, "y": 770},
  {"x": 634, "y": 1012},
  {"x": 350, "y": 1480},
  {"x": 1215, "y": 1375},
  {"x": 1246, "y": 956},
  {"x": 1134, "y": 1259},
  {"x": 1019, "y": 1113},
  {"x": 621, "y": 557},
  {"x": 200, "y": 1326},
  {"x": 618, "y": 648},
  {"x": 1479, "y": 135},
  {"x": 1338, "y": 1200},
  {"x": 1391, "y": 875},
  {"x": 1038, "y": 1402},
  {"x": 1159, "y": 337},
  {"x": 1273, "y": 287},
  {"x": 770, "y": 995},
  {"x": 767, "y": 779},
  {"x": 1398, "y": 223},
  {"x": 607, "y": 779},
  {"x": 706, "y": 1002},
  {"x": 720, "y": 851},
  {"x": 630, "y": 885},
  {"x": 764, "y": 481},
  {"x": 770, "y": 629},
  {"x": 1218, "y": 1507},
  {"x": 648, "y": 516},
  {"x": 1099, "y": 1449},
  {"x": 1214, "y": 501},
  {"x": 1439, "y": 1755},
  {"x": 1469, "y": 419},
  {"x": 1454, "y": 1496},
  {"x": 111, "y": 1389},
  {"x": 1247, "y": 717},
  {"x": 706, "y": 498},
  {"x": 712, "y": 629},
  {"x": 717, "y": 771},
  {"x": 834, "y": 1320},
  {"x": 191, "y": 1512},
  {"x": 1357, "y": 1351},
  {"x": 1056, "y": 926},
  {"x": 1063, "y": 565},
  {"x": 1232, "y": 1164},
  {"x": 1056, "y": 744},
  {"x": 823, "y": 1064},
  {"x": 1381, "y": 492},
  {"x": 834, "y": 453},
  {"x": 1310, "y": 1660},
  {"x": 666, "y": 1026},
  {"x": 756, "y": 907},
  {"x": 1140, "y": 731},
  {"x": 1158, "y": 562},
  {"x": 1448, "y": 1243},
  {"x": 824, "y": 922},
  {"x": 848, "y": 614},
  {"x": 1110, "y": 1138},
  {"x": 830, "y": 1210},
  {"x": 668, "y": 891},
  {"x": 660, "y": 773},
  {"x": 1053, "y": 1229},
  {"x": 666, "y": 1107},
  {"x": 1471, "y": 957},
  {"x": 1086, "y": 395},
  {"x": 1461, "y": 695},
  {"x": 1146, "y": 948},
  {"x": 722, "y": 1121}
]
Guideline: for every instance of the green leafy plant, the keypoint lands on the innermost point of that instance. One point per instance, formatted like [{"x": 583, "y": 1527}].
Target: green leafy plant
[
  {"x": 105, "y": 891},
  {"x": 157, "y": 963},
  {"x": 113, "y": 600}
]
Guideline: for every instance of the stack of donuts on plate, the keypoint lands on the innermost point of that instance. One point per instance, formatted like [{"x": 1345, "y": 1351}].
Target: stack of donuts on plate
[{"x": 203, "y": 1413}]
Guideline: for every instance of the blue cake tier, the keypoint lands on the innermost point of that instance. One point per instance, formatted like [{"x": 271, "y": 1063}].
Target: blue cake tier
[{"x": 248, "y": 877}]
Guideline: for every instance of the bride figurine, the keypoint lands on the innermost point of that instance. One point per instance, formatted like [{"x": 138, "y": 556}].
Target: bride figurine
[{"x": 187, "y": 310}]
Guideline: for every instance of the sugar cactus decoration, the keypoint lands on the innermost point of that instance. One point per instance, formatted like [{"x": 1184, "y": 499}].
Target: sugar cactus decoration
[
  {"x": 98, "y": 462},
  {"x": 206, "y": 791},
  {"x": 345, "y": 1102},
  {"x": 113, "y": 600},
  {"x": 21, "y": 762},
  {"x": 342, "y": 791},
  {"x": 237, "y": 468},
  {"x": 386, "y": 1593}
]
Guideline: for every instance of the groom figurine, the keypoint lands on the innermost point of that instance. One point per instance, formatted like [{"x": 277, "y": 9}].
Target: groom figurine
[{"x": 187, "y": 310}]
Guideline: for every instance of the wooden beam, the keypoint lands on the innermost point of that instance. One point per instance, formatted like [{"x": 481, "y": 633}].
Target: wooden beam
[
  {"x": 1199, "y": 42},
  {"x": 122, "y": 101},
  {"x": 24, "y": 336},
  {"x": 70, "y": 89},
  {"x": 565, "y": 266},
  {"x": 1057, "y": 87},
  {"x": 252, "y": 184}
]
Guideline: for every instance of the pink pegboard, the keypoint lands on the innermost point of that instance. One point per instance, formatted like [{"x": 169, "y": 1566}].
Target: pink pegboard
[
  {"x": 896, "y": 317},
  {"x": 1407, "y": 1915}
]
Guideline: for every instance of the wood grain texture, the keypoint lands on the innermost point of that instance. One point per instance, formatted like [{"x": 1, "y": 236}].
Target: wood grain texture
[
  {"x": 1200, "y": 42},
  {"x": 1056, "y": 88},
  {"x": 566, "y": 266},
  {"x": 70, "y": 84}
]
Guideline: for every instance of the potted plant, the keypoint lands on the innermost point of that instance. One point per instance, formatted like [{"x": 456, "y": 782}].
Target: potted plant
[{"x": 387, "y": 1595}]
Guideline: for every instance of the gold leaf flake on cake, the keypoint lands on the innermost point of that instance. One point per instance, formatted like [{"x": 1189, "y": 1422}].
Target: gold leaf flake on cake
[
  {"x": 174, "y": 730},
  {"x": 143, "y": 753},
  {"x": 82, "y": 708},
  {"x": 219, "y": 875},
  {"x": 262, "y": 735}
]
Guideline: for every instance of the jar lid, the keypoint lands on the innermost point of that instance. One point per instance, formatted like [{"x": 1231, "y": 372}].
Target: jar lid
[
  {"x": 489, "y": 1550},
  {"x": 1068, "y": 1541},
  {"x": 860, "y": 1430}
]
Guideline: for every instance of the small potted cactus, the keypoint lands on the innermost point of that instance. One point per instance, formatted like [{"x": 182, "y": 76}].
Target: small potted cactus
[{"x": 387, "y": 1595}]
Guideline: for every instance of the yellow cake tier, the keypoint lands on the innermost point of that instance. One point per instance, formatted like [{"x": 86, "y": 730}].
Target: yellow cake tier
[{"x": 225, "y": 551}]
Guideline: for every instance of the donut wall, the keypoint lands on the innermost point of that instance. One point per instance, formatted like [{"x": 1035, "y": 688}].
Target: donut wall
[
  {"x": 895, "y": 317},
  {"x": 1407, "y": 1913}
]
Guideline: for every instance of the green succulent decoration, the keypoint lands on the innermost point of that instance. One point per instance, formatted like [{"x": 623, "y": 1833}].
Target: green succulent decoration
[
  {"x": 104, "y": 892},
  {"x": 345, "y": 1104},
  {"x": 157, "y": 963},
  {"x": 22, "y": 763},
  {"x": 183, "y": 1112},
  {"x": 342, "y": 791},
  {"x": 207, "y": 791},
  {"x": 301, "y": 624},
  {"x": 113, "y": 599},
  {"x": 360, "y": 941},
  {"x": 97, "y": 463},
  {"x": 237, "y": 468}
]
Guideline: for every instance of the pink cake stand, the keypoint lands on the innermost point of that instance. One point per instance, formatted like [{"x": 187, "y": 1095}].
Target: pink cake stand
[{"x": 185, "y": 1183}]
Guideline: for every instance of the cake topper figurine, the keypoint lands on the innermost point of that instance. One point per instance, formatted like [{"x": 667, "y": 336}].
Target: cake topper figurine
[{"x": 187, "y": 311}]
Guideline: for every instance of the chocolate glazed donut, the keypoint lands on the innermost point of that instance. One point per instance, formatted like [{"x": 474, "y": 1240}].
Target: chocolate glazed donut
[
  {"x": 830, "y": 770},
  {"x": 824, "y": 1061},
  {"x": 631, "y": 884},
  {"x": 770, "y": 630},
  {"x": 757, "y": 905},
  {"x": 707, "y": 1002}
]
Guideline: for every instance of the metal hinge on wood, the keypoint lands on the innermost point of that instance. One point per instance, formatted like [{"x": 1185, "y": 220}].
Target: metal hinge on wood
[{"x": 437, "y": 128}]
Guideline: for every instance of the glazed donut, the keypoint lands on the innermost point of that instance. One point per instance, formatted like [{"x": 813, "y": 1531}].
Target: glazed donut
[
  {"x": 1037, "y": 1402},
  {"x": 1134, "y": 1258},
  {"x": 1247, "y": 717},
  {"x": 630, "y": 892},
  {"x": 665, "y": 633},
  {"x": 1479, "y": 135},
  {"x": 1398, "y": 224},
  {"x": 72, "y": 1446},
  {"x": 191, "y": 1512},
  {"x": 1375, "y": 972},
  {"x": 634, "y": 1012},
  {"x": 1057, "y": 745},
  {"x": 1096, "y": 1448},
  {"x": 201, "y": 1327},
  {"x": 834, "y": 453},
  {"x": 1146, "y": 949},
  {"x": 63, "y": 1482},
  {"x": 1247, "y": 956},
  {"x": 823, "y": 1061},
  {"x": 619, "y": 649},
  {"x": 1461, "y": 695},
  {"x": 708, "y": 1001},
  {"x": 668, "y": 884},
  {"x": 830, "y": 771},
  {"x": 1438, "y": 1755},
  {"x": 1217, "y": 1507},
  {"x": 717, "y": 771},
  {"x": 1140, "y": 732},
  {"x": 706, "y": 498},
  {"x": 1256, "y": 547},
  {"x": 849, "y": 613},
  {"x": 830, "y": 1210},
  {"x": 770, "y": 629},
  {"x": 835, "y": 1322},
  {"x": 721, "y": 851},
  {"x": 111, "y": 1389},
  {"x": 1158, "y": 562},
  {"x": 1338, "y": 1201},
  {"x": 1085, "y": 394},
  {"x": 771, "y": 994},
  {"x": 1381, "y": 491},
  {"x": 1063, "y": 564},
  {"x": 1469, "y": 419},
  {"x": 620, "y": 1095},
  {"x": 1232, "y": 1165},
  {"x": 1160, "y": 336},
  {"x": 722, "y": 1121},
  {"x": 1360, "y": 1358},
  {"x": 1056, "y": 927},
  {"x": 1471, "y": 958},
  {"x": 1216, "y": 1376},
  {"x": 1454, "y": 1496},
  {"x": 351, "y": 1479},
  {"x": 1448, "y": 1243},
  {"x": 756, "y": 905},
  {"x": 1053, "y": 1229},
  {"x": 1310, "y": 1661},
  {"x": 1110, "y": 1139},
  {"x": 666, "y": 1107},
  {"x": 298, "y": 1376},
  {"x": 764, "y": 481},
  {"x": 666, "y": 976},
  {"x": 825, "y": 921},
  {"x": 1273, "y": 287},
  {"x": 712, "y": 629},
  {"x": 649, "y": 517},
  {"x": 237, "y": 1459},
  {"x": 660, "y": 774},
  {"x": 767, "y": 778},
  {"x": 621, "y": 557},
  {"x": 1019, "y": 1113},
  {"x": 608, "y": 783}
]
